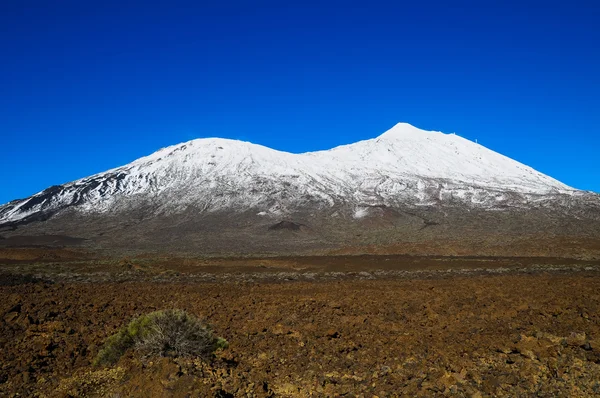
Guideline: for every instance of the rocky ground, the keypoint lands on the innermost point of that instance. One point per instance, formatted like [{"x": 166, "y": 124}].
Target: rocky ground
[{"x": 430, "y": 327}]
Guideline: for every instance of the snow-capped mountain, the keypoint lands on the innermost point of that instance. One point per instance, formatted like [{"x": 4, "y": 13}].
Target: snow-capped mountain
[{"x": 405, "y": 166}]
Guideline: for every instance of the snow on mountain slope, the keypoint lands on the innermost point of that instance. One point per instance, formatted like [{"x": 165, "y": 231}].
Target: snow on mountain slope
[
  {"x": 408, "y": 151},
  {"x": 404, "y": 166}
]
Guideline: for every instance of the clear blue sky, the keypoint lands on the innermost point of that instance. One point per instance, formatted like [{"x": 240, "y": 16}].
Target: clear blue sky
[{"x": 90, "y": 85}]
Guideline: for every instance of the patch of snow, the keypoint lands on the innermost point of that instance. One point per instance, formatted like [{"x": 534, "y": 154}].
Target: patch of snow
[{"x": 360, "y": 212}]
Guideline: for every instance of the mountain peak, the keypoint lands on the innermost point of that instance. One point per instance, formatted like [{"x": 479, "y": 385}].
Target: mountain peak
[{"x": 403, "y": 130}]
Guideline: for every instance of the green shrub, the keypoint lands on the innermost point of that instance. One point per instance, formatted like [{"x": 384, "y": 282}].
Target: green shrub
[{"x": 168, "y": 333}]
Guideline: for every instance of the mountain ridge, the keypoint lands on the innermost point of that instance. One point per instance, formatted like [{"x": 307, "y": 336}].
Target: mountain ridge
[
  {"x": 404, "y": 154},
  {"x": 404, "y": 185}
]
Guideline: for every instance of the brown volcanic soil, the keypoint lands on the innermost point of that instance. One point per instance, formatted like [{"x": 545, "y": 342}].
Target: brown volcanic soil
[{"x": 519, "y": 330}]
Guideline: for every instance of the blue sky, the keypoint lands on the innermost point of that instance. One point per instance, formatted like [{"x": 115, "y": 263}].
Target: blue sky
[{"x": 88, "y": 86}]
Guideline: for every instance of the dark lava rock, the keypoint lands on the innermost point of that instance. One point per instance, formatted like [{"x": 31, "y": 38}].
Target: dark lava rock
[{"x": 287, "y": 225}]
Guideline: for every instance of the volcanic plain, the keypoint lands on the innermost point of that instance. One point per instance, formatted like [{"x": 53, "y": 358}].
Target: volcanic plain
[{"x": 321, "y": 326}]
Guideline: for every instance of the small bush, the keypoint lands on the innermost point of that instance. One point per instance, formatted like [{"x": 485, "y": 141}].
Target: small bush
[{"x": 169, "y": 333}]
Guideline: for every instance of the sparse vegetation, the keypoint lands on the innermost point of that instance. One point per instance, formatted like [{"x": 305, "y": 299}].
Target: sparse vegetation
[{"x": 168, "y": 333}]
